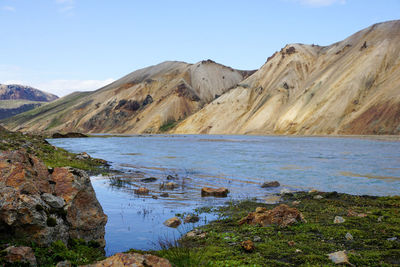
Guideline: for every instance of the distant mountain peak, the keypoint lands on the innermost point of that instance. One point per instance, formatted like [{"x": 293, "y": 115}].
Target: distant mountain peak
[{"x": 23, "y": 92}]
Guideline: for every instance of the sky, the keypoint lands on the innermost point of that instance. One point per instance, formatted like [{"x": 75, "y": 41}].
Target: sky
[{"x": 61, "y": 46}]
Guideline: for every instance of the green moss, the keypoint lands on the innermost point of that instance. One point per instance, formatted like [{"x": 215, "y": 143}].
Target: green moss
[
  {"x": 51, "y": 156},
  {"x": 170, "y": 124},
  {"x": 51, "y": 222},
  {"x": 312, "y": 240}
]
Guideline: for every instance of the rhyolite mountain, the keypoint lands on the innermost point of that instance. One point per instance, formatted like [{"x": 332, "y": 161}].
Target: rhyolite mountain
[
  {"x": 145, "y": 101},
  {"x": 15, "y": 99},
  {"x": 350, "y": 87}
]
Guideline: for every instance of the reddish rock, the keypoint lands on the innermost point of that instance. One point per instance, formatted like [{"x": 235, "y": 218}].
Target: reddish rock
[
  {"x": 173, "y": 222},
  {"x": 44, "y": 207},
  {"x": 282, "y": 215},
  {"x": 132, "y": 259},
  {"x": 20, "y": 255},
  {"x": 218, "y": 192},
  {"x": 247, "y": 245},
  {"x": 142, "y": 191}
]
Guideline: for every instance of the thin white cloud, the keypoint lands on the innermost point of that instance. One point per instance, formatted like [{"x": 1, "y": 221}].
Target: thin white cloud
[
  {"x": 8, "y": 8},
  {"x": 64, "y": 87},
  {"x": 65, "y": 6},
  {"x": 319, "y": 3}
]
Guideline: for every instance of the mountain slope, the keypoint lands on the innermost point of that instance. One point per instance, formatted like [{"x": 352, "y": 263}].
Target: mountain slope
[
  {"x": 350, "y": 87},
  {"x": 19, "y": 92},
  {"x": 15, "y": 99},
  {"x": 143, "y": 101}
]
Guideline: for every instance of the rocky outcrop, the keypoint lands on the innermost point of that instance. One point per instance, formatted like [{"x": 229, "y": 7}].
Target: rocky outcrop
[
  {"x": 132, "y": 259},
  {"x": 282, "y": 216},
  {"x": 44, "y": 205},
  {"x": 68, "y": 135},
  {"x": 23, "y": 256}
]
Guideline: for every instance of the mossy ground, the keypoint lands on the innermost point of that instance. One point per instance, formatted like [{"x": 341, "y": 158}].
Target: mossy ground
[
  {"x": 52, "y": 156},
  {"x": 315, "y": 239}
]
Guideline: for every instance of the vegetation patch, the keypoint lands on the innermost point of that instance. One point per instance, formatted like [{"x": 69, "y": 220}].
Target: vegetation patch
[
  {"x": 370, "y": 234},
  {"x": 168, "y": 125}
]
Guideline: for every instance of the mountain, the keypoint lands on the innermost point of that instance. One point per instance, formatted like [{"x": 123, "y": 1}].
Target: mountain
[
  {"x": 19, "y": 92},
  {"x": 350, "y": 87},
  {"x": 15, "y": 99},
  {"x": 148, "y": 100}
]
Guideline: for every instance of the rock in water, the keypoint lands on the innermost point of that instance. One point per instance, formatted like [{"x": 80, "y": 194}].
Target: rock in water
[
  {"x": 219, "y": 192},
  {"x": 132, "y": 259},
  {"x": 282, "y": 215},
  {"x": 142, "y": 191},
  {"x": 44, "y": 207},
  {"x": 270, "y": 184},
  {"x": 191, "y": 219},
  {"x": 20, "y": 255},
  {"x": 173, "y": 222}
]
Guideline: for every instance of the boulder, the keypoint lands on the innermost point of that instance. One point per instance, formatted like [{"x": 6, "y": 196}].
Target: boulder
[
  {"x": 132, "y": 259},
  {"x": 282, "y": 216},
  {"x": 339, "y": 219},
  {"x": 82, "y": 155},
  {"x": 23, "y": 256},
  {"x": 173, "y": 222},
  {"x": 270, "y": 184},
  {"x": 218, "y": 192},
  {"x": 45, "y": 206}
]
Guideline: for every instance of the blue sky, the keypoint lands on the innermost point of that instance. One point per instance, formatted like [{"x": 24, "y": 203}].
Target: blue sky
[{"x": 62, "y": 46}]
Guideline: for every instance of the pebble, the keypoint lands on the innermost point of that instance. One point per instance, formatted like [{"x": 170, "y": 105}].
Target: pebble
[
  {"x": 339, "y": 219},
  {"x": 349, "y": 236},
  {"x": 257, "y": 239},
  {"x": 298, "y": 251},
  {"x": 318, "y": 197}
]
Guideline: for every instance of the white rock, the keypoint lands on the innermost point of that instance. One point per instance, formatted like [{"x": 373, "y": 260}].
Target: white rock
[
  {"x": 339, "y": 257},
  {"x": 339, "y": 219},
  {"x": 349, "y": 236}
]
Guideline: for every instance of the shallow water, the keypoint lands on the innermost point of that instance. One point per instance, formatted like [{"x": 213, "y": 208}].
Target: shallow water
[{"x": 240, "y": 163}]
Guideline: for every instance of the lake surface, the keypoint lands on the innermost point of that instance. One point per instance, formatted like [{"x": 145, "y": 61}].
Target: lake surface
[{"x": 239, "y": 163}]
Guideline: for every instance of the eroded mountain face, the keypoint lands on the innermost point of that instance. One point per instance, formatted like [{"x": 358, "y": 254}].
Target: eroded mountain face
[
  {"x": 350, "y": 87},
  {"x": 145, "y": 101}
]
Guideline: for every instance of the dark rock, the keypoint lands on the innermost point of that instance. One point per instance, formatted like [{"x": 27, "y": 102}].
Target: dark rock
[
  {"x": 218, "y": 192},
  {"x": 191, "y": 219},
  {"x": 170, "y": 177},
  {"x": 270, "y": 184},
  {"x": 149, "y": 180},
  {"x": 68, "y": 135},
  {"x": 164, "y": 195},
  {"x": 147, "y": 100}
]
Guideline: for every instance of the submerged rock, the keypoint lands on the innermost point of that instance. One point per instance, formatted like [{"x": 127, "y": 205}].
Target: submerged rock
[
  {"x": 142, "y": 191},
  {"x": 270, "y": 184},
  {"x": 20, "y": 255},
  {"x": 173, "y": 222},
  {"x": 169, "y": 185},
  {"x": 191, "y": 219},
  {"x": 218, "y": 192},
  {"x": 149, "y": 180},
  {"x": 282, "y": 215},
  {"x": 132, "y": 259},
  {"x": 42, "y": 206}
]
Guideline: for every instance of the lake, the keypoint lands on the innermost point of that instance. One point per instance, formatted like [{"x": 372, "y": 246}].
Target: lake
[{"x": 239, "y": 163}]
